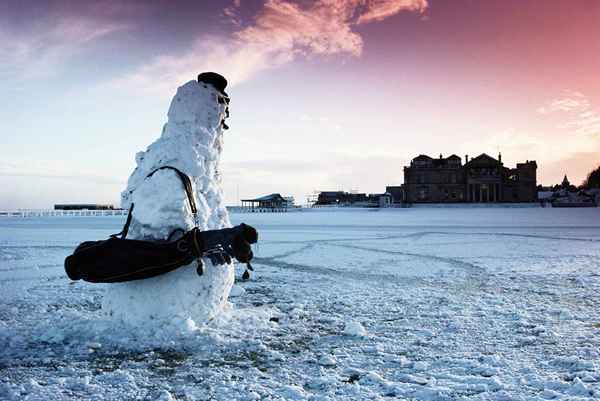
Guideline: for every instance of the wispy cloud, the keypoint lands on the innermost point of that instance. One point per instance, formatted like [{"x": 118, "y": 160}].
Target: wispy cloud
[
  {"x": 570, "y": 101},
  {"x": 43, "y": 48},
  {"x": 281, "y": 31},
  {"x": 231, "y": 12},
  {"x": 577, "y": 113},
  {"x": 564, "y": 138},
  {"x": 377, "y": 10}
]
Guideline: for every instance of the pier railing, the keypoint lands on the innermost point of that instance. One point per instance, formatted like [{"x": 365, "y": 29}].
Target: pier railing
[
  {"x": 246, "y": 209},
  {"x": 122, "y": 212},
  {"x": 60, "y": 213}
]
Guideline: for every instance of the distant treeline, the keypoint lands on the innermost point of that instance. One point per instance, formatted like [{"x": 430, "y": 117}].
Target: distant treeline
[{"x": 592, "y": 180}]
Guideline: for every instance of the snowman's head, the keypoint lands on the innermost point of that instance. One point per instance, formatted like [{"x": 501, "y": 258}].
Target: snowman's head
[{"x": 199, "y": 109}]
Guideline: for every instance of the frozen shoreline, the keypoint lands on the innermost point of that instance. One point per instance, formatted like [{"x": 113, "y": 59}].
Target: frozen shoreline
[{"x": 428, "y": 304}]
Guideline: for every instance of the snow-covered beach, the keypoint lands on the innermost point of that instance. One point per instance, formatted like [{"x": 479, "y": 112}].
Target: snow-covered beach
[{"x": 422, "y": 303}]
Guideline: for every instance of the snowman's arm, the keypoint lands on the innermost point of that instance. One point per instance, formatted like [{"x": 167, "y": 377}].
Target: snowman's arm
[{"x": 160, "y": 206}]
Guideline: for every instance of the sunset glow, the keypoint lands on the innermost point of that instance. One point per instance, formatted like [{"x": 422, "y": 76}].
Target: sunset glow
[{"x": 325, "y": 95}]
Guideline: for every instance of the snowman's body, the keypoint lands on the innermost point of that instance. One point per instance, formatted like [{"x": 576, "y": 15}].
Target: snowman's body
[{"x": 191, "y": 141}]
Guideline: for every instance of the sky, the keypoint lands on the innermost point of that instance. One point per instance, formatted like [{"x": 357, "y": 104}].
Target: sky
[{"x": 325, "y": 94}]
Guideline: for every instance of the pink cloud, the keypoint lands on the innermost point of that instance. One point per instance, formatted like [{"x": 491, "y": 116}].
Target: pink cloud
[
  {"x": 323, "y": 27},
  {"x": 283, "y": 26},
  {"x": 281, "y": 31},
  {"x": 377, "y": 10},
  {"x": 231, "y": 12},
  {"x": 578, "y": 114}
]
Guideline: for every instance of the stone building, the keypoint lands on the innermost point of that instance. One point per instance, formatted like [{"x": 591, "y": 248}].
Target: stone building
[
  {"x": 341, "y": 198},
  {"x": 481, "y": 179}
]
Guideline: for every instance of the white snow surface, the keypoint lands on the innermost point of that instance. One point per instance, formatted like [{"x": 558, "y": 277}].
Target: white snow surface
[
  {"x": 191, "y": 141},
  {"x": 457, "y": 304}
]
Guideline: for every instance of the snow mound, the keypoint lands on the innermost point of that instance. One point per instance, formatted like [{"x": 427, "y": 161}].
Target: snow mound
[
  {"x": 355, "y": 329},
  {"x": 327, "y": 361}
]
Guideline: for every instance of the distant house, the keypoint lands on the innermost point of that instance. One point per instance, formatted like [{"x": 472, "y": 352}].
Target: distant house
[
  {"x": 566, "y": 198},
  {"x": 271, "y": 202},
  {"x": 482, "y": 179},
  {"x": 381, "y": 200},
  {"x": 595, "y": 192},
  {"x": 340, "y": 198},
  {"x": 330, "y": 198},
  {"x": 567, "y": 195},
  {"x": 83, "y": 206},
  {"x": 396, "y": 193},
  {"x": 289, "y": 202}
]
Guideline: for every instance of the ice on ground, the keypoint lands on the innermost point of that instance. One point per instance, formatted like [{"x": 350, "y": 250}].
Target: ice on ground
[
  {"x": 458, "y": 304},
  {"x": 327, "y": 360},
  {"x": 191, "y": 141},
  {"x": 355, "y": 329},
  {"x": 237, "y": 291}
]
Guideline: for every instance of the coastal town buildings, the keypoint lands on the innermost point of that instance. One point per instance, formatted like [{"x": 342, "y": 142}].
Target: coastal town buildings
[{"x": 482, "y": 179}]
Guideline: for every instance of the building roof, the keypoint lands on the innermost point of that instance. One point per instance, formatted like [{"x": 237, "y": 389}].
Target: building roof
[
  {"x": 482, "y": 160},
  {"x": 266, "y": 198},
  {"x": 527, "y": 163},
  {"x": 437, "y": 162}
]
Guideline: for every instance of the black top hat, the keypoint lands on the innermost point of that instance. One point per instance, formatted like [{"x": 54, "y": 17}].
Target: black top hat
[{"x": 216, "y": 80}]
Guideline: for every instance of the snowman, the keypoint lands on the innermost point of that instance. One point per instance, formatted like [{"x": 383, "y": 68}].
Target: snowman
[{"x": 191, "y": 142}]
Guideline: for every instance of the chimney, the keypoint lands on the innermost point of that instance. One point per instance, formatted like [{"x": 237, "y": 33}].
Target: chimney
[
  {"x": 441, "y": 156},
  {"x": 466, "y": 159},
  {"x": 500, "y": 157}
]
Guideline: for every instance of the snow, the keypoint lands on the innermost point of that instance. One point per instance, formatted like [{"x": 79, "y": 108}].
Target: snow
[
  {"x": 471, "y": 304},
  {"x": 327, "y": 360},
  {"x": 355, "y": 329},
  {"x": 191, "y": 141}
]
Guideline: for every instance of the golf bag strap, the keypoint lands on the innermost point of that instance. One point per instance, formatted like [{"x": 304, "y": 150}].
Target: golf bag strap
[
  {"x": 187, "y": 185},
  {"x": 123, "y": 232},
  {"x": 189, "y": 190}
]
